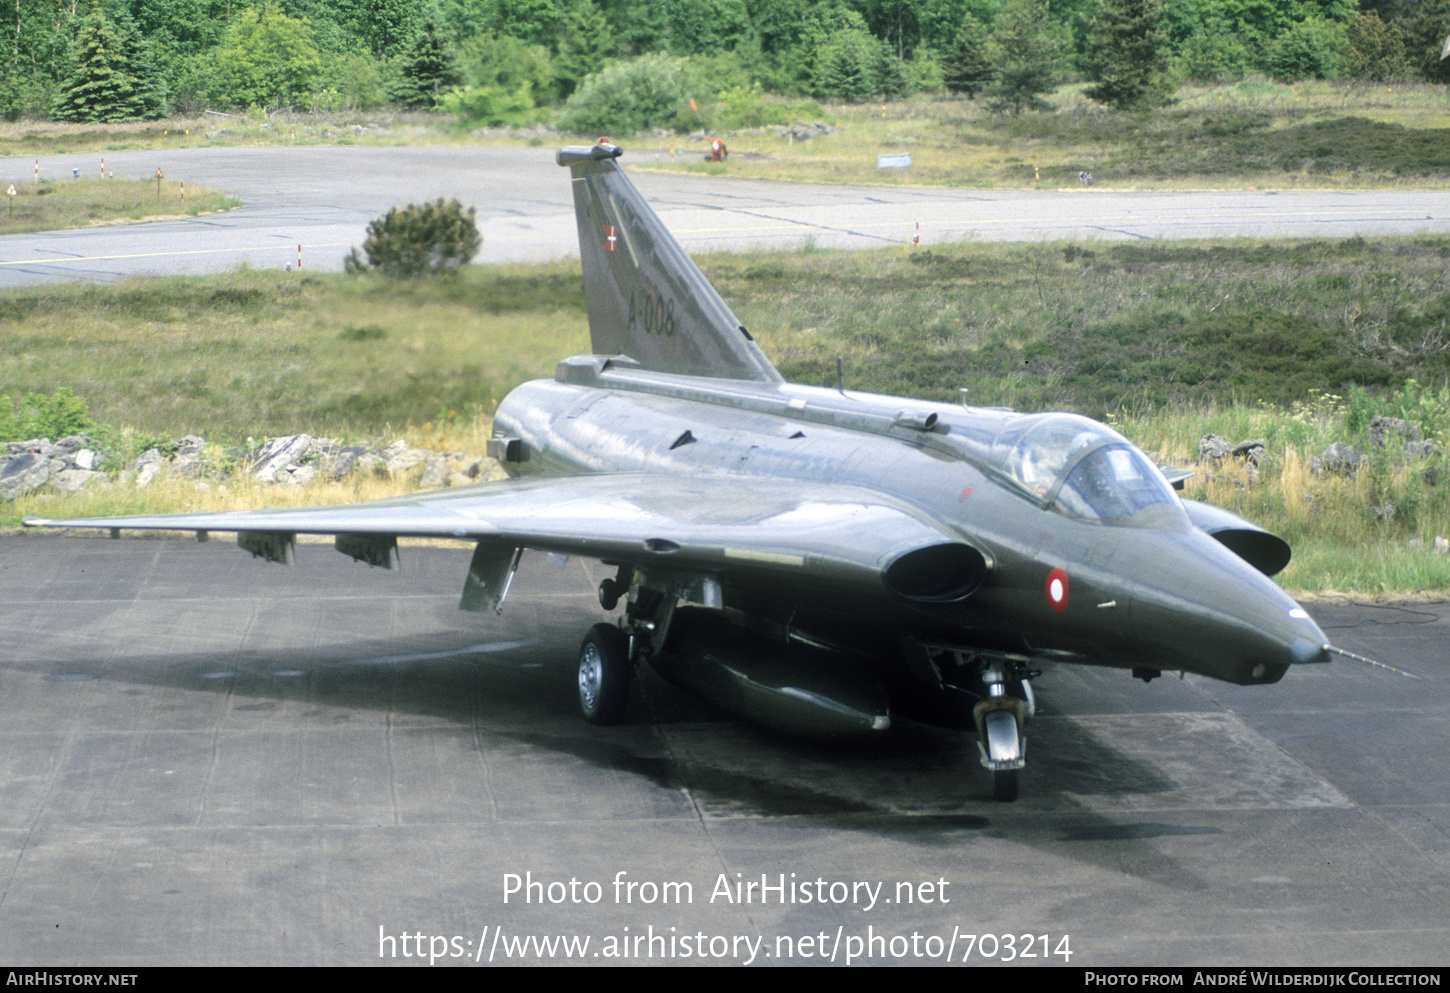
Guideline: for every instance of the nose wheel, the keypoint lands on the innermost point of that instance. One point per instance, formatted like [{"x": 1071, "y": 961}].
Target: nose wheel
[
  {"x": 999, "y": 717},
  {"x": 1004, "y": 750}
]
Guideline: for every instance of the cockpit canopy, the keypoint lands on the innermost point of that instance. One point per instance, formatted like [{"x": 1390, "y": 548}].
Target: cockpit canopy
[{"x": 1086, "y": 470}]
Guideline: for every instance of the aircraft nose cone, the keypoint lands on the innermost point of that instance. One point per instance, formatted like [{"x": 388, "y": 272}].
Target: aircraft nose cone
[
  {"x": 1303, "y": 651},
  {"x": 1219, "y": 617}
]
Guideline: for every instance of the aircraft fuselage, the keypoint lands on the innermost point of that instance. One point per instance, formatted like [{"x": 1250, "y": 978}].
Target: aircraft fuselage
[{"x": 1058, "y": 585}]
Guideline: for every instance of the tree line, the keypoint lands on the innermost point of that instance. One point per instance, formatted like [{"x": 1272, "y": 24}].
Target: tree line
[{"x": 513, "y": 61}]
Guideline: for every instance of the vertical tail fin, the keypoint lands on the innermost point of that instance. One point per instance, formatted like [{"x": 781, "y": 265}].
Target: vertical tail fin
[{"x": 646, "y": 299}]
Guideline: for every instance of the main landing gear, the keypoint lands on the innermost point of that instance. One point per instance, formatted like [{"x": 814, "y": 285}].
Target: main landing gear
[
  {"x": 608, "y": 654},
  {"x": 996, "y": 687}
]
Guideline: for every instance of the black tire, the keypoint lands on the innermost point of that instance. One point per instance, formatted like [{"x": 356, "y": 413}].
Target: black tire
[
  {"x": 1004, "y": 785},
  {"x": 603, "y": 675}
]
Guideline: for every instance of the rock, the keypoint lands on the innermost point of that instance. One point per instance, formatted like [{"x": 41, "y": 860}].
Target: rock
[
  {"x": 1213, "y": 448},
  {"x": 1442, "y": 545},
  {"x": 472, "y": 468},
  {"x": 71, "y": 463},
  {"x": 399, "y": 457},
  {"x": 22, "y": 473},
  {"x": 73, "y": 480},
  {"x": 146, "y": 466},
  {"x": 435, "y": 474},
  {"x": 190, "y": 447},
  {"x": 279, "y": 453},
  {"x": 1253, "y": 450},
  {"x": 1339, "y": 458},
  {"x": 1380, "y": 428},
  {"x": 298, "y": 475},
  {"x": 1418, "y": 451},
  {"x": 338, "y": 462},
  {"x": 801, "y": 131}
]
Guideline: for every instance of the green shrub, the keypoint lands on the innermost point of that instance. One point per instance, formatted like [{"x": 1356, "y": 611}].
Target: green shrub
[
  {"x": 489, "y": 106},
  {"x": 418, "y": 240},
  {"x": 748, "y": 107},
  {"x": 1213, "y": 55},
  {"x": 1374, "y": 50},
  {"x": 628, "y": 97},
  {"x": 54, "y": 416},
  {"x": 1310, "y": 49}
]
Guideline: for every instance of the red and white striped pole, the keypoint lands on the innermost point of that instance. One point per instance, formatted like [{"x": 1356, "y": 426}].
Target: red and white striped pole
[{"x": 299, "y": 257}]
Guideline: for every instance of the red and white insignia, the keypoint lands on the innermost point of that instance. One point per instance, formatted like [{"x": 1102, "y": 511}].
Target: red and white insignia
[
  {"x": 1057, "y": 590},
  {"x": 610, "y": 238}
]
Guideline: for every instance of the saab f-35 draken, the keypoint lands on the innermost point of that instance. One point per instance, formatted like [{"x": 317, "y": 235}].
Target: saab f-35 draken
[{"x": 816, "y": 559}]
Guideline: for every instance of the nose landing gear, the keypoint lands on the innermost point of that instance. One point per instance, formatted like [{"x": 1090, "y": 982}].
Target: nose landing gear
[{"x": 999, "y": 717}]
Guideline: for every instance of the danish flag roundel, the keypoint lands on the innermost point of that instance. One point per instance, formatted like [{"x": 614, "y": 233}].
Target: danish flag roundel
[{"x": 1057, "y": 590}]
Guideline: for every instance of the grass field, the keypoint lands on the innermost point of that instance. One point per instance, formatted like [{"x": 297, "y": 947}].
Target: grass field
[
  {"x": 270, "y": 352},
  {"x": 49, "y": 205},
  {"x": 1252, "y": 135}
]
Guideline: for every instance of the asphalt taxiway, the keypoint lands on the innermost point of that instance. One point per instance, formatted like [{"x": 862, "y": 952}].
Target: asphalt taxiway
[
  {"x": 310, "y": 205},
  {"x": 206, "y": 759}
]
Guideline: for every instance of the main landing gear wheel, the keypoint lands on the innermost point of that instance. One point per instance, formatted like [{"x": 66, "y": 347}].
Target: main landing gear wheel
[
  {"x": 1004, "y": 785},
  {"x": 604, "y": 674}
]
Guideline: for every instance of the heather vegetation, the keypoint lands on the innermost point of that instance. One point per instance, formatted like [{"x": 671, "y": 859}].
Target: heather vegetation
[{"x": 619, "y": 67}]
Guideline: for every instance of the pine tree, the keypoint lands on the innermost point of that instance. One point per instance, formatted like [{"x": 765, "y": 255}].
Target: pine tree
[
  {"x": 1125, "y": 55},
  {"x": 427, "y": 71},
  {"x": 844, "y": 67},
  {"x": 1375, "y": 50},
  {"x": 968, "y": 68},
  {"x": 585, "y": 44},
  {"x": 1027, "y": 48},
  {"x": 140, "y": 62},
  {"x": 103, "y": 87}
]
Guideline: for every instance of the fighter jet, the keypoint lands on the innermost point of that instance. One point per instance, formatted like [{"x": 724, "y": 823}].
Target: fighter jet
[{"x": 817, "y": 559}]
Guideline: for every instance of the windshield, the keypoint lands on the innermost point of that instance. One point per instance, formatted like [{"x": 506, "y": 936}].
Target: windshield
[{"x": 1087, "y": 470}]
